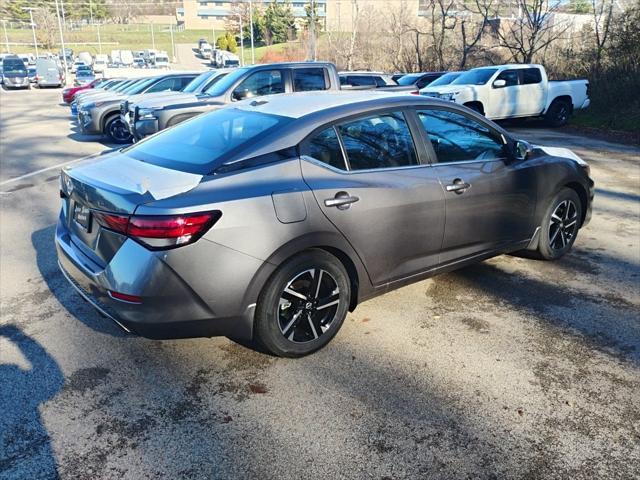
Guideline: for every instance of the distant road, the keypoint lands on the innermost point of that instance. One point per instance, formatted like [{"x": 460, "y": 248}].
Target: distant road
[{"x": 186, "y": 57}]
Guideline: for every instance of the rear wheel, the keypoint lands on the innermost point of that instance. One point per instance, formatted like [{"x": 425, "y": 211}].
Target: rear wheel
[
  {"x": 303, "y": 305},
  {"x": 560, "y": 225},
  {"x": 117, "y": 131},
  {"x": 558, "y": 113}
]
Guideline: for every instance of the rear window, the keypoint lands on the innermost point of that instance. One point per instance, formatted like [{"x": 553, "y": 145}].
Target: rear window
[
  {"x": 410, "y": 79},
  {"x": 531, "y": 75},
  {"x": 13, "y": 65},
  {"x": 203, "y": 143}
]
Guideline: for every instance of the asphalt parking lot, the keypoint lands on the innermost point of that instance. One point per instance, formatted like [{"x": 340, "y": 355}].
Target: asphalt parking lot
[{"x": 512, "y": 368}]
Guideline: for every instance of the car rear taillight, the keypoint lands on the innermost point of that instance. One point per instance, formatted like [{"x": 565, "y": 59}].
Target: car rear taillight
[
  {"x": 160, "y": 232},
  {"x": 125, "y": 297},
  {"x": 415, "y": 92}
]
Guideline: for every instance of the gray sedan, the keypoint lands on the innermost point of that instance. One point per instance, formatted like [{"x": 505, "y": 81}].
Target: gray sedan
[{"x": 270, "y": 219}]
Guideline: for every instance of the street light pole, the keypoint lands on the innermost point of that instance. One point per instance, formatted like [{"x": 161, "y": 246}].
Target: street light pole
[
  {"x": 6, "y": 38},
  {"x": 153, "y": 38},
  {"x": 173, "y": 46},
  {"x": 253, "y": 54},
  {"x": 33, "y": 29},
  {"x": 64, "y": 50},
  {"x": 241, "y": 41}
]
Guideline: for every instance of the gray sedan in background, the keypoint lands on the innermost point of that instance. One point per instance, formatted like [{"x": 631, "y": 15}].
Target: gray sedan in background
[{"x": 270, "y": 219}]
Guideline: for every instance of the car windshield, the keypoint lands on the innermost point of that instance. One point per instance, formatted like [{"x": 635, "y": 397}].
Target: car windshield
[
  {"x": 446, "y": 79},
  {"x": 409, "y": 79},
  {"x": 126, "y": 84},
  {"x": 226, "y": 83},
  {"x": 200, "y": 145},
  {"x": 477, "y": 76},
  {"x": 14, "y": 66}
]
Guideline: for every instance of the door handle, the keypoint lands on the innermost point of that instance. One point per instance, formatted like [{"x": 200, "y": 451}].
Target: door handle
[
  {"x": 458, "y": 186},
  {"x": 342, "y": 201}
]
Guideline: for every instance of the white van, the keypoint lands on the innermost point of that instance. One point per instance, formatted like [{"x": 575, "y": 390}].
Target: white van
[
  {"x": 100, "y": 63},
  {"x": 161, "y": 60}
]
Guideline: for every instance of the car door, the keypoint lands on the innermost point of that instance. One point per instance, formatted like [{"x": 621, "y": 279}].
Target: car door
[
  {"x": 532, "y": 95},
  {"x": 504, "y": 100},
  {"x": 369, "y": 180},
  {"x": 489, "y": 200}
]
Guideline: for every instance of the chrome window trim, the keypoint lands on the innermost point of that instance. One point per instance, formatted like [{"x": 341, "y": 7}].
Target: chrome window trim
[{"x": 315, "y": 161}]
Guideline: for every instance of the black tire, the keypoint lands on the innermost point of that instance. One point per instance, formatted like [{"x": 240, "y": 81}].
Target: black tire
[
  {"x": 117, "y": 131},
  {"x": 558, "y": 113},
  {"x": 557, "y": 236},
  {"x": 287, "y": 325}
]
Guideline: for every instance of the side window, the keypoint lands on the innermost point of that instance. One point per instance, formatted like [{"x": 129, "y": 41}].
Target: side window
[
  {"x": 266, "y": 82},
  {"x": 380, "y": 141},
  {"x": 307, "y": 79},
  {"x": 458, "y": 138},
  {"x": 358, "y": 81},
  {"x": 325, "y": 147},
  {"x": 184, "y": 81},
  {"x": 380, "y": 82},
  {"x": 531, "y": 75},
  {"x": 163, "y": 85},
  {"x": 510, "y": 76}
]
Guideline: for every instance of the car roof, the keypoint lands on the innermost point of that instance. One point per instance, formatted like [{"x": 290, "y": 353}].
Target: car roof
[{"x": 301, "y": 104}]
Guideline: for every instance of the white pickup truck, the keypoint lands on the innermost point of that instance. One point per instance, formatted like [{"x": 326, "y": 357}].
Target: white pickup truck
[{"x": 515, "y": 91}]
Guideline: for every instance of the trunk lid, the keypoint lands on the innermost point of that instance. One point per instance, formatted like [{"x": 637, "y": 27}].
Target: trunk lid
[{"x": 116, "y": 183}]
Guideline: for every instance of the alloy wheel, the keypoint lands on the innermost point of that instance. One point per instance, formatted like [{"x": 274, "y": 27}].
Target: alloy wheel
[
  {"x": 308, "y": 305},
  {"x": 119, "y": 132},
  {"x": 563, "y": 225}
]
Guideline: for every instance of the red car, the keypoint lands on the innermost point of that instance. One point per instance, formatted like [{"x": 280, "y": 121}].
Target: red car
[{"x": 69, "y": 93}]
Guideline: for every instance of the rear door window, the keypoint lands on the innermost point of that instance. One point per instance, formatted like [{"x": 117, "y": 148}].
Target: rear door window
[
  {"x": 309, "y": 79},
  {"x": 379, "y": 141},
  {"x": 325, "y": 147}
]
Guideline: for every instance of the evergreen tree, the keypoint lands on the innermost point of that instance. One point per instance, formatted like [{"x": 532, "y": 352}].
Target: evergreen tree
[{"x": 278, "y": 22}]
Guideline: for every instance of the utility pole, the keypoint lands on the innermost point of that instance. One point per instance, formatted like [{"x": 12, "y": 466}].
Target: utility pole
[
  {"x": 64, "y": 50},
  {"x": 173, "y": 46},
  {"x": 253, "y": 54},
  {"x": 312, "y": 33},
  {"x": 97, "y": 27},
  {"x": 153, "y": 38},
  {"x": 33, "y": 28},
  {"x": 6, "y": 38},
  {"x": 241, "y": 42},
  {"x": 213, "y": 32}
]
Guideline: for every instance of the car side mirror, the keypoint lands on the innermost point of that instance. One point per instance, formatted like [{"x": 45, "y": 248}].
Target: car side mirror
[
  {"x": 499, "y": 83},
  {"x": 522, "y": 150},
  {"x": 241, "y": 94}
]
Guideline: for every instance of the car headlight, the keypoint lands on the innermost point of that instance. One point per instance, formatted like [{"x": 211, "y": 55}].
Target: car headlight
[{"x": 146, "y": 113}]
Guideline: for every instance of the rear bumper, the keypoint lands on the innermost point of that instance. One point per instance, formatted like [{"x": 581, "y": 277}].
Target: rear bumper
[{"x": 171, "y": 307}]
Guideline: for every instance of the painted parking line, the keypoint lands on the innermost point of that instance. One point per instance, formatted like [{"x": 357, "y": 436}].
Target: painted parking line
[{"x": 31, "y": 174}]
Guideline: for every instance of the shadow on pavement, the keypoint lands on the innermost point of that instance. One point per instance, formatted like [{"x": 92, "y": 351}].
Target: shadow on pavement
[
  {"x": 46, "y": 260},
  {"x": 25, "y": 447}
]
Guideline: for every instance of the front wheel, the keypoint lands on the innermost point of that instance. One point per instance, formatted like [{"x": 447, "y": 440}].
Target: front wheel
[
  {"x": 117, "y": 131},
  {"x": 303, "y": 304},
  {"x": 560, "y": 225}
]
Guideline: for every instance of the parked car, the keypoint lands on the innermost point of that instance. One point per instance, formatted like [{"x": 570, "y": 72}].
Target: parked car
[
  {"x": 397, "y": 76},
  {"x": 1, "y": 70},
  {"x": 84, "y": 75},
  {"x": 31, "y": 72},
  {"x": 100, "y": 63},
  {"x": 76, "y": 64},
  {"x": 102, "y": 115},
  {"x": 445, "y": 79},
  {"x": 140, "y": 112},
  {"x": 161, "y": 60},
  {"x": 14, "y": 73},
  {"x": 126, "y": 58},
  {"x": 48, "y": 73},
  {"x": 86, "y": 58},
  {"x": 420, "y": 80},
  {"x": 516, "y": 91},
  {"x": 69, "y": 94},
  {"x": 350, "y": 195},
  {"x": 139, "y": 62},
  {"x": 368, "y": 79},
  {"x": 241, "y": 83},
  {"x": 224, "y": 59},
  {"x": 205, "y": 51},
  {"x": 89, "y": 96}
]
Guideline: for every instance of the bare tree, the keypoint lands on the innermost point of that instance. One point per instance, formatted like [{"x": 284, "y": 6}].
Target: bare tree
[
  {"x": 355, "y": 14},
  {"x": 473, "y": 25},
  {"x": 532, "y": 30},
  {"x": 602, "y": 11},
  {"x": 46, "y": 27},
  {"x": 442, "y": 21}
]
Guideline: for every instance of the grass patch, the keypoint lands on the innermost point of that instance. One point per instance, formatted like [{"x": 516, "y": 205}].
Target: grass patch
[{"x": 624, "y": 120}]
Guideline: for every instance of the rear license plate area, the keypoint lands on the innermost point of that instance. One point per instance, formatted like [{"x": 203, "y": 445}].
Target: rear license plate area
[{"x": 82, "y": 216}]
